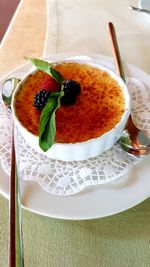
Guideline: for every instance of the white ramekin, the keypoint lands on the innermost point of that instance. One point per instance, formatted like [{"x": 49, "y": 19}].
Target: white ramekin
[{"x": 80, "y": 150}]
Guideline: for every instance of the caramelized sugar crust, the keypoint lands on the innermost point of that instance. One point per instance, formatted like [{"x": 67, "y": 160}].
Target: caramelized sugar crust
[{"x": 98, "y": 108}]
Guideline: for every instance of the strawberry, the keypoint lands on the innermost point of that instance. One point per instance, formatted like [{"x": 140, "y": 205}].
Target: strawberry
[{"x": 50, "y": 85}]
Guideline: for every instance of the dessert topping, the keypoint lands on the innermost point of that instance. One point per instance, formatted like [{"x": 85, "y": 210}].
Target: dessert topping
[
  {"x": 50, "y": 85},
  {"x": 71, "y": 90},
  {"x": 49, "y": 102},
  {"x": 72, "y": 87},
  {"x": 40, "y": 99}
]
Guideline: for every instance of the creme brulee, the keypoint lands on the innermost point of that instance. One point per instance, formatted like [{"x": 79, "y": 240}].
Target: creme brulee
[{"x": 98, "y": 108}]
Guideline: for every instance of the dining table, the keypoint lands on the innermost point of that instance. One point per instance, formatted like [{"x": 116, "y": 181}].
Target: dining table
[{"x": 106, "y": 224}]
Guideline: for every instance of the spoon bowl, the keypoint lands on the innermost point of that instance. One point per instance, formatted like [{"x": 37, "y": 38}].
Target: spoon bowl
[{"x": 8, "y": 88}]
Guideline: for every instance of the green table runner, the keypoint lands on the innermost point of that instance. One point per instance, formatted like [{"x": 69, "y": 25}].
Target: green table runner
[{"x": 121, "y": 240}]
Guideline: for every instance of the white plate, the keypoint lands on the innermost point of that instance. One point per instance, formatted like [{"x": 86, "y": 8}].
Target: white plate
[
  {"x": 145, "y": 4},
  {"x": 94, "y": 202}
]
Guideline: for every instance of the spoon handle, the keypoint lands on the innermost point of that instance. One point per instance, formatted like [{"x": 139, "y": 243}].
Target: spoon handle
[
  {"x": 116, "y": 51},
  {"x": 15, "y": 234},
  {"x": 119, "y": 65},
  {"x": 140, "y": 10},
  {"x": 133, "y": 132},
  {"x": 12, "y": 243}
]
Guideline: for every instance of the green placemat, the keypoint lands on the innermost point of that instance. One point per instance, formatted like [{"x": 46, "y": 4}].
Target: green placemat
[{"x": 120, "y": 240}]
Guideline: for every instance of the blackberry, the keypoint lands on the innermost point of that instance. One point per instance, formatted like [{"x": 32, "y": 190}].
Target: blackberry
[
  {"x": 40, "y": 99},
  {"x": 68, "y": 99},
  {"x": 71, "y": 90},
  {"x": 72, "y": 86}
]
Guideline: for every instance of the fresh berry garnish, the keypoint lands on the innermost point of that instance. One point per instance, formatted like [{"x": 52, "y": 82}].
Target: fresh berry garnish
[
  {"x": 71, "y": 90},
  {"x": 72, "y": 86},
  {"x": 68, "y": 99},
  {"x": 50, "y": 85},
  {"x": 40, "y": 99}
]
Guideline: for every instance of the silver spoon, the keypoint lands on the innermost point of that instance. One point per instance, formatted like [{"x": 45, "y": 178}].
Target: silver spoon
[
  {"x": 8, "y": 88},
  {"x": 133, "y": 140},
  {"x": 146, "y": 11},
  {"x": 15, "y": 232}
]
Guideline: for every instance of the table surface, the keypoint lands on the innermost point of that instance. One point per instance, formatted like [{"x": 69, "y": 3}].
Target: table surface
[{"x": 78, "y": 26}]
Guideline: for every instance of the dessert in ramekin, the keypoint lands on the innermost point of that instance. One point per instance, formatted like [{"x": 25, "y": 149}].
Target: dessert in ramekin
[{"x": 88, "y": 126}]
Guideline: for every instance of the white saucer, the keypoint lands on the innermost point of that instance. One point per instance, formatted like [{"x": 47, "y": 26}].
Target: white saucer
[
  {"x": 94, "y": 202},
  {"x": 145, "y": 4}
]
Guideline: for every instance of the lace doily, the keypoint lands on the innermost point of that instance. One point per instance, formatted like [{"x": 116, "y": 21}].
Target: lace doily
[{"x": 67, "y": 178}]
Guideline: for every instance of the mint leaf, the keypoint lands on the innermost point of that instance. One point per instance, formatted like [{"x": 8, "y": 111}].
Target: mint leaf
[
  {"x": 47, "y": 126},
  {"x": 56, "y": 75},
  {"x": 48, "y": 68},
  {"x": 125, "y": 142},
  {"x": 40, "y": 64}
]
